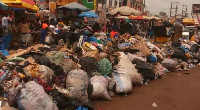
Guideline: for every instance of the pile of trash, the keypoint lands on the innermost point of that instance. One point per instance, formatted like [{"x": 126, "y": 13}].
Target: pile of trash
[{"x": 52, "y": 77}]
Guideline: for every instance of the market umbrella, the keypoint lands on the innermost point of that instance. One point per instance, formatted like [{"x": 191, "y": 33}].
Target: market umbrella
[
  {"x": 125, "y": 11},
  {"x": 3, "y": 6},
  {"x": 24, "y": 4},
  {"x": 188, "y": 21},
  {"x": 136, "y": 17},
  {"x": 152, "y": 17},
  {"x": 88, "y": 14},
  {"x": 74, "y": 6},
  {"x": 102, "y": 17},
  {"x": 122, "y": 17}
]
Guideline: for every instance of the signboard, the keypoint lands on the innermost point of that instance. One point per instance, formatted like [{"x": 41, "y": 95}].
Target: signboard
[
  {"x": 40, "y": 3},
  {"x": 186, "y": 33},
  {"x": 52, "y": 7},
  {"x": 196, "y": 8},
  {"x": 64, "y": 2}
]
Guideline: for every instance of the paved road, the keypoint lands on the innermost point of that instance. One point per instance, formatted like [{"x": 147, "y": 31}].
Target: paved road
[{"x": 175, "y": 91}]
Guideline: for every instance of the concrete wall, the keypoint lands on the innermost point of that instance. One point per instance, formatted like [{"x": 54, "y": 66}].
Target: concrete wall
[{"x": 88, "y": 4}]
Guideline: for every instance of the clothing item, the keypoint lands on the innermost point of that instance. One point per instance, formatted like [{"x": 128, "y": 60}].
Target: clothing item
[
  {"x": 44, "y": 26},
  {"x": 25, "y": 38},
  {"x": 5, "y": 21},
  {"x": 88, "y": 64},
  {"x": 144, "y": 68},
  {"x": 113, "y": 33},
  {"x": 43, "y": 35},
  {"x": 55, "y": 57},
  {"x": 93, "y": 39}
]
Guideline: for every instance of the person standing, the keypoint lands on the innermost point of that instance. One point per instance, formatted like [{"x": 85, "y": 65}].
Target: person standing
[
  {"x": 44, "y": 32},
  {"x": 23, "y": 29},
  {"x": 5, "y": 22}
]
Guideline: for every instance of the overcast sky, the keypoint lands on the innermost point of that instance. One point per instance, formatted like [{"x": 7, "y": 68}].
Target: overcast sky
[{"x": 156, "y": 6}]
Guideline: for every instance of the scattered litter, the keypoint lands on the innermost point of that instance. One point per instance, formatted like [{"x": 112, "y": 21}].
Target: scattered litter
[{"x": 154, "y": 105}]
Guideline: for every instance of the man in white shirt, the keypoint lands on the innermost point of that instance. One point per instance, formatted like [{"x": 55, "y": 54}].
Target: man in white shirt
[{"x": 5, "y": 22}]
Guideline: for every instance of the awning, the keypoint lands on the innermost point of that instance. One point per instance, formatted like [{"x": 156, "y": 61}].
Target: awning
[
  {"x": 125, "y": 10},
  {"x": 24, "y": 4},
  {"x": 136, "y": 17},
  {"x": 188, "y": 21},
  {"x": 3, "y": 6},
  {"x": 74, "y": 6},
  {"x": 122, "y": 17},
  {"x": 152, "y": 17}
]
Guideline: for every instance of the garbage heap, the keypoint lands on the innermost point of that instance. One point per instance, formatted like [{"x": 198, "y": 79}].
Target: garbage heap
[{"x": 52, "y": 77}]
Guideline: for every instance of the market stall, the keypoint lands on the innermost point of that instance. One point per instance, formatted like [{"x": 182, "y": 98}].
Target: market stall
[
  {"x": 24, "y": 4},
  {"x": 3, "y": 6}
]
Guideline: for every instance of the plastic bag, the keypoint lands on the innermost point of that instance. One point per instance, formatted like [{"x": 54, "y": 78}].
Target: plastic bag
[
  {"x": 104, "y": 66},
  {"x": 77, "y": 83},
  {"x": 33, "y": 97},
  {"x": 68, "y": 65},
  {"x": 169, "y": 63},
  {"x": 46, "y": 74},
  {"x": 100, "y": 85},
  {"x": 123, "y": 83},
  {"x": 125, "y": 66},
  {"x": 134, "y": 56},
  {"x": 159, "y": 69}
]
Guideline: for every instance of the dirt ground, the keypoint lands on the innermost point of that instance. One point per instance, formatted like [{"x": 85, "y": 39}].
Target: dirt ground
[{"x": 175, "y": 91}]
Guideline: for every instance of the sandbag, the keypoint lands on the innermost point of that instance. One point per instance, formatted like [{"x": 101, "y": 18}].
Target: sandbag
[
  {"x": 123, "y": 82},
  {"x": 77, "y": 84},
  {"x": 33, "y": 97},
  {"x": 169, "y": 63},
  {"x": 125, "y": 66},
  {"x": 100, "y": 85}
]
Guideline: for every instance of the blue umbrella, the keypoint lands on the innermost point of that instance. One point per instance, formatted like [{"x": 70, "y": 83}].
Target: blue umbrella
[
  {"x": 3, "y": 6},
  {"x": 88, "y": 14}
]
